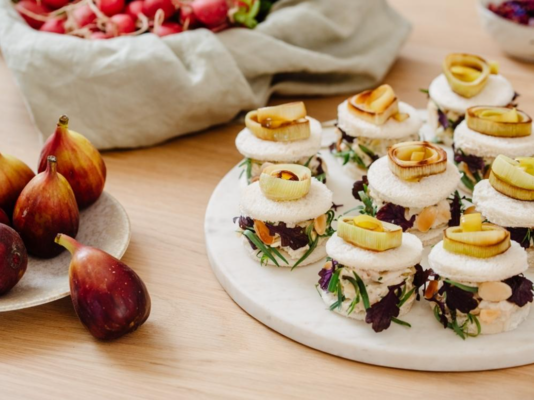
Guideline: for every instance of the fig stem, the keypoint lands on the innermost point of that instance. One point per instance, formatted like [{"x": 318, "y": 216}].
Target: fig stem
[
  {"x": 63, "y": 120},
  {"x": 67, "y": 242},
  {"x": 51, "y": 164}
]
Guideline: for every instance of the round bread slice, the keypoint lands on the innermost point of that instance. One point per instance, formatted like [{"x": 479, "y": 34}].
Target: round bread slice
[
  {"x": 497, "y": 92},
  {"x": 318, "y": 254},
  {"x": 427, "y": 192},
  {"x": 478, "y": 144},
  {"x": 407, "y": 255},
  {"x": 392, "y": 129},
  {"x": 265, "y": 150},
  {"x": 463, "y": 268},
  {"x": 502, "y": 210},
  {"x": 256, "y": 206}
]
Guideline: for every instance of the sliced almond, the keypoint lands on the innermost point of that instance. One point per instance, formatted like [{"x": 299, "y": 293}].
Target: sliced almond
[
  {"x": 328, "y": 265},
  {"x": 319, "y": 224},
  {"x": 494, "y": 291},
  {"x": 470, "y": 210},
  {"x": 265, "y": 165},
  {"x": 426, "y": 218},
  {"x": 263, "y": 232},
  {"x": 431, "y": 289},
  {"x": 488, "y": 316}
]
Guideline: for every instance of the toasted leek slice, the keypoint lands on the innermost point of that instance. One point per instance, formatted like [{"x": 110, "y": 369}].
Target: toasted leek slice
[
  {"x": 492, "y": 240},
  {"x": 509, "y": 190},
  {"x": 526, "y": 164},
  {"x": 412, "y": 161},
  {"x": 376, "y": 240},
  {"x": 401, "y": 117},
  {"x": 499, "y": 121},
  {"x": 297, "y": 130},
  {"x": 375, "y": 106},
  {"x": 511, "y": 172},
  {"x": 467, "y": 74},
  {"x": 285, "y": 113},
  {"x": 285, "y": 182},
  {"x": 471, "y": 222},
  {"x": 369, "y": 223}
]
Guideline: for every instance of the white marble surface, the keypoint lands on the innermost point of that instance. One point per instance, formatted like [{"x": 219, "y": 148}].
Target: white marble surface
[
  {"x": 288, "y": 302},
  {"x": 105, "y": 225}
]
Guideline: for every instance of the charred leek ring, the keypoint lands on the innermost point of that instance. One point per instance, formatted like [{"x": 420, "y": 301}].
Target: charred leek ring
[
  {"x": 412, "y": 161},
  {"x": 285, "y": 182},
  {"x": 272, "y": 117},
  {"x": 375, "y": 106},
  {"x": 513, "y": 178},
  {"x": 288, "y": 132},
  {"x": 490, "y": 241},
  {"x": 467, "y": 74},
  {"x": 370, "y": 235},
  {"x": 499, "y": 121}
]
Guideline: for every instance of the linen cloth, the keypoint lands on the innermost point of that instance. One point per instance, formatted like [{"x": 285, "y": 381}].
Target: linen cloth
[{"x": 139, "y": 91}]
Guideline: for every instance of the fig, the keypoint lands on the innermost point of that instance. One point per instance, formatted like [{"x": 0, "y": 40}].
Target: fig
[
  {"x": 78, "y": 161},
  {"x": 46, "y": 207},
  {"x": 110, "y": 299},
  {"x": 13, "y": 258},
  {"x": 4, "y": 219},
  {"x": 14, "y": 175}
]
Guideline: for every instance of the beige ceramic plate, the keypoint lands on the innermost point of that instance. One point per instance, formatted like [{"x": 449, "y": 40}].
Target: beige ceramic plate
[{"x": 104, "y": 225}]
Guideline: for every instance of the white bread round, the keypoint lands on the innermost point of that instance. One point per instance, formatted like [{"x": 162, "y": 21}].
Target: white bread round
[
  {"x": 265, "y": 150},
  {"x": 357, "y": 127},
  {"x": 427, "y": 192},
  {"x": 256, "y": 206},
  {"x": 497, "y": 92},
  {"x": 502, "y": 210},
  {"x": 431, "y": 237},
  {"x": 330, "y": 298},
  {"x": 471, "y": 269},
  {"x": 407, "y": 255},
  {"x": 482, "y": 145},
  {"x": 317, "y": 255}
]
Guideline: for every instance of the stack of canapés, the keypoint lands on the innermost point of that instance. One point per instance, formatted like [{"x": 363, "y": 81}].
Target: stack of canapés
[{"x": 411, "y": 198}]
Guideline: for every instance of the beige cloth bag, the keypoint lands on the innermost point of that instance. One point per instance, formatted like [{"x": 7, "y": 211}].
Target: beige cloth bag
[{"x": 138, "y": 91}]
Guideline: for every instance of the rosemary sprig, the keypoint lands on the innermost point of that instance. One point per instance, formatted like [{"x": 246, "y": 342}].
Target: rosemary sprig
[
  {"x": 368, "y": 206},
  {"x": 312, "y": 245},
  {"x": 265, "y": 250},
  {"x": 471, "y": 289},
  {"x": 405, "y": 298},
  {"x": 248, "y": 170},
  {"x": 363, "y": 290},
  {"x": 468, "y": 183},
  {"x": 400, "y": 322}
]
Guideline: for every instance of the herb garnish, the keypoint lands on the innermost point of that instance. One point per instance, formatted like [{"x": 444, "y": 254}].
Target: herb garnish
[{"x": 248, "y": 169}]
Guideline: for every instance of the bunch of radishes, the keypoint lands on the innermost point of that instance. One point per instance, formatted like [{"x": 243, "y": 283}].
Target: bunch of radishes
[{"x": 104, "y": 19}]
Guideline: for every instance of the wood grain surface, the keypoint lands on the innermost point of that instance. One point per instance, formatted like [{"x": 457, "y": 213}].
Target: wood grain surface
[{"x": 198, "y": 343}]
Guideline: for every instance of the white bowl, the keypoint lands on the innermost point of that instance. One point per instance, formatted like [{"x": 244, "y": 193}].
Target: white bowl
[{"x": 515, "y": 39}]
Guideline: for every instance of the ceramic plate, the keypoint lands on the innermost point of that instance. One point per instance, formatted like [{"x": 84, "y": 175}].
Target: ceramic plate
[{"x": 104, "y": 225}]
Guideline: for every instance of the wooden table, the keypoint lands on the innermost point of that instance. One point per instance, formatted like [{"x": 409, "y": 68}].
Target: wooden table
[{"x": 198, "y": 343}]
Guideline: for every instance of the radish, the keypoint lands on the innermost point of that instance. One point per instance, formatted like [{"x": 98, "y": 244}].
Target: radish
[
  {"x": 110, "y": 7},
  {"x": 83, "y": 16},
  {"x": 119, "y": 24},
  {"x": 54, "y": 25},
  {"x": 55, "y": 4},
  {"x": 99, "y": 35},
  {"x": 187, "y": 16},
  {"x": 167, "y": 28},
  {"x": 33, "y": 7},
  {"x": 211, "y": 13},
  {"x": 135, "y": 8},
  {"x": 152, "y": 6}
]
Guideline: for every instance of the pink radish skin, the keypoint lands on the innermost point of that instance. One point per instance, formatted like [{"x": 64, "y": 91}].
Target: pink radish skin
[
  {"x": 152, "y": 6},
  {"x": 168, "y": 28},
  {"x": 120, "y": 24},
  {"x": 99, "y": 35},
  {"x": 188, "y": 17},
  {"x": 135, "y": 8},
  {"x": 54, "y": 25},
  {"x": 211, "y": 13},
  {"x": 83, "y": 16},
  {"x": 33, "y": 7},
  {"x": 55, "y": 4},
  {"x": 111, "y": 7}
]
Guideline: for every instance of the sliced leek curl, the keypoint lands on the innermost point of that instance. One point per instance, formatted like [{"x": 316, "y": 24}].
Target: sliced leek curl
[
  {"x": 276, "y": 116},
  {"x": 286, "y": 132},
  {"x": 490, "y": 241},
  {"x": 412, "y": 161},
  {"x": 369, "y": 233},
  {"x": 285, "y": 182},
  {"x": 375, "y": 106},
  {"x": 467, "y": 74},
  {"x": 513, "y": 178},
  {"x": 499, "y": 121}
]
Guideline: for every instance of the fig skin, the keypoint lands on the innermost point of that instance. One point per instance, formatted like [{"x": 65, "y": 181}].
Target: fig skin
[
  {"x": 4, "y": 219},
  {"x": 46, "y": 207},
  {"x": 14, "y": 175},
  {"x": 109, "y": 298},
  {"x": 13, "y": 258},
  {"x": 78, "y": 161}
]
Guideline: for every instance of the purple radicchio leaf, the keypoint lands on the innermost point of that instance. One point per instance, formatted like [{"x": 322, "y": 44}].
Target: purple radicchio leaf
[
  {"x": 442, "y": 316},
  {"x": 420, "y": 277},
  {"x": 359, "y": 186},
  {"x": 345, "y": 137},
  {"x": 521, "y": 290},
  {"x": 295, "y": 238},
  {"x": 379, "y": 315},
  {"x": 443, "y": 120},
  {"x": 326, "y": 275},
  {"x": 458, "y": 299},
  {"x": 396, "y": 215},
  {"x": 244, "y": 223},
  {"x": 456, "y": 209},
  {"x": 474, "y": 163},
  {"x": 457, "y": 122},
  {"x": 520, "y": 235}
]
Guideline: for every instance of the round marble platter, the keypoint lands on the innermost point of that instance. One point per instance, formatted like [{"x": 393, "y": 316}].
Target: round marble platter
[
  {"x": 288, "y": 302},
  {"x": 104, "y": 225}
]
